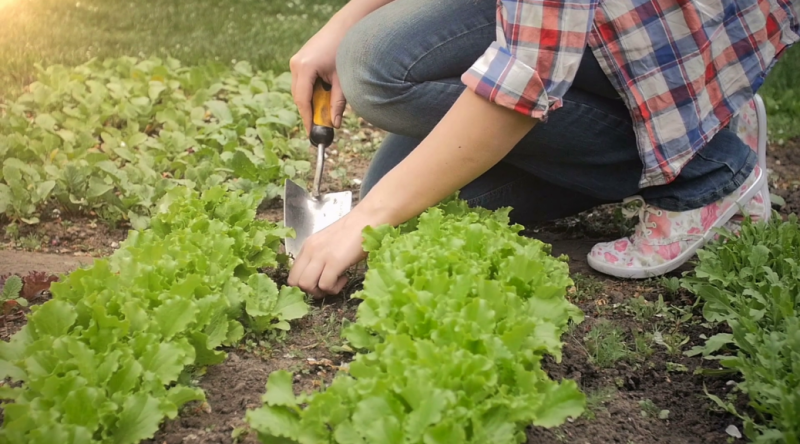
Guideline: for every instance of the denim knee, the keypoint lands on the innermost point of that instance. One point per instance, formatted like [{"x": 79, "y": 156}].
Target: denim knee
[{"x": 369, "y": 75}]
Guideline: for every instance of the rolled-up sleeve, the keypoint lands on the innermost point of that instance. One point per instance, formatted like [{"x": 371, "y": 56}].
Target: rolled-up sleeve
[{"x": 538, "y": 49}]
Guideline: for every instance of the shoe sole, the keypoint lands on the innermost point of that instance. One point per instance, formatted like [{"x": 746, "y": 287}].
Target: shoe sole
[
  {"x": 662, "y": 269},
  {"x": 761, "y": 117}
]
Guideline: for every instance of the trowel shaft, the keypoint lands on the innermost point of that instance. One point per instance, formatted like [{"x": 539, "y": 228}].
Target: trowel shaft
[{"x": 318, "y": 172}]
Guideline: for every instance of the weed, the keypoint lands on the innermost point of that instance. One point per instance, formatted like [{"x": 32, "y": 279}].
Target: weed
[
  {"x": 596, "y": 399},
  {"x": 110, "y": 219},
  {"x": 674, "y": 367},
  {"x": 673, "y": 342},
  {"x": 238, "y": 434},
  {"x": 585, "y": 288},
  {"x": 256, "y": 347},
  {"x": 672, "y": 284},
  {"x": 11, "y": 290},
  {"x": 31, "y": 242},
  {"x": 644, "y": 310},
  {"x": 643, "y": 344},
  {"x": 606, "y": 345},
  {"x": 12, "y": 231},
  {"x": 340, "y": 174}
]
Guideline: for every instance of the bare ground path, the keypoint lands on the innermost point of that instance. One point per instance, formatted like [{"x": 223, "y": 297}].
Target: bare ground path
[{"x": 22, "y": 262}]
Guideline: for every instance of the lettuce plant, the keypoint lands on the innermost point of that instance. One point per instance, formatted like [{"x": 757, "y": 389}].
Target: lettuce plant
[
  {"x": 458, "y": 312},
  {"x": 106, "y": 359}
]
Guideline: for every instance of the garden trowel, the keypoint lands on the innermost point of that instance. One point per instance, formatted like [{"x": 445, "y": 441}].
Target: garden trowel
[{"x": 309, "y": 213}]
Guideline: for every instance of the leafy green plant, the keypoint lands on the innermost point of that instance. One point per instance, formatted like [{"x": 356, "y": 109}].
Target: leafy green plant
[
  {"x": 11, "y": 291},
  {"x": 672, "y": 341},
  {"x": 751, "y": 283},
  {"x": 106, "y": 359},
  {"x": 458, "y": 312},
  {"x": 671, "y": 284},
  {"x": 605, "y": 344},
  {"x": 114, "y": 136}
]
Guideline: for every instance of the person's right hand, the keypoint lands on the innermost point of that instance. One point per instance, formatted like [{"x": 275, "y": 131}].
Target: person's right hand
[{"x": 317, "y": 58}]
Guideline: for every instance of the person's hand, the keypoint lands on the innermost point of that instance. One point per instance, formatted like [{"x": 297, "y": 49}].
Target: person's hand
[
  {"x": 325, "y": 256},
  {"x": 317, "y": 59}
]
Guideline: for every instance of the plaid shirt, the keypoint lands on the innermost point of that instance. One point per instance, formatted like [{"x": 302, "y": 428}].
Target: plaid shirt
[{"x": 683, "y": 67}]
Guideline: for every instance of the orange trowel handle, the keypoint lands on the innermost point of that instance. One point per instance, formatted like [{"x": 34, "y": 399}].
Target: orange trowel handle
[{"x": 322, "y": 126}]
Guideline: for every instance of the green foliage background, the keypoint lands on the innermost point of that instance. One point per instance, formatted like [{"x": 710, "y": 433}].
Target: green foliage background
[{"x": 263, "y": 32}]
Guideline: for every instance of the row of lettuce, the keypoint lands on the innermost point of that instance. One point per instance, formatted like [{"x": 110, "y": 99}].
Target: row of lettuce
[
  {"x": 111, "y": 354},
  {"x": 458, "y": 311},
  {"x": 113, "y": 136}
]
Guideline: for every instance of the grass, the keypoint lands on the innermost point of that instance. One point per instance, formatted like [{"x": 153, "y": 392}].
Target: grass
[
  {"x": 781, "y": 93},
  {"x": 264, "y": 32}
]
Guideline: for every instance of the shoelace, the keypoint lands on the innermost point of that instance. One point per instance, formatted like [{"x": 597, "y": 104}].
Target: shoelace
[{"x": 636, "y": 206}]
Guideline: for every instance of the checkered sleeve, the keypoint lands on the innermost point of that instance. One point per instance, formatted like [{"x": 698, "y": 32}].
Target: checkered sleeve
[{"x": 536, "y": 55}]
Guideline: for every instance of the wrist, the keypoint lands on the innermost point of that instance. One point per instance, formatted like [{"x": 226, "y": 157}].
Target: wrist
[{"x": 374, "y": 211}]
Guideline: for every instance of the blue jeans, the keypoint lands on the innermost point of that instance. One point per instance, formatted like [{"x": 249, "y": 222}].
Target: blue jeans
[{"x": 400, "y": 70}]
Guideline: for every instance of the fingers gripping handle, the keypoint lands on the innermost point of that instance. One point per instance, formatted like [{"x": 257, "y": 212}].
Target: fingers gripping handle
[
  {"x": 322, "y": 125},
  {"x": 321, "y": 128}
]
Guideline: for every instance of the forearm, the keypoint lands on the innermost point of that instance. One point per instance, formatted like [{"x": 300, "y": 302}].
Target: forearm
[{"x": 471, "y": 138}]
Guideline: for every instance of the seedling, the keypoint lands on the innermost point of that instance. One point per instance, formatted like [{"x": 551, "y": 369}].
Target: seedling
[
  {"x": 671, "y": 284},
  {"x": 673, "y": 342},
  {"x": 606, "y": 345},
  {"x": 239, "y": 433},
  {"x": 643, "y": 344},
  {"x": 31, "y": 242},
  {"x": 10, "y": 295}
]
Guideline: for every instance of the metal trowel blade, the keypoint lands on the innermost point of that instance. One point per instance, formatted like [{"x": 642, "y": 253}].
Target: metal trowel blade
[{"x": 308, "y": 215}]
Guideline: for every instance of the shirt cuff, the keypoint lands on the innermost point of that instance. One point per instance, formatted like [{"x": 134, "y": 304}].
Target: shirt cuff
[{"x": 500, "y": 77}]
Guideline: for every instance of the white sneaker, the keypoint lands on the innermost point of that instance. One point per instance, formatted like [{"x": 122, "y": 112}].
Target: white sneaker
[
  {"x": 750, "y": 124},
  {"x": 665, "y": 240}
]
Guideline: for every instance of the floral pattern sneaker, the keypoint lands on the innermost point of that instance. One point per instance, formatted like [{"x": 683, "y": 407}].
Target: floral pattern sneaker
[{"x": 665, "y": 240}]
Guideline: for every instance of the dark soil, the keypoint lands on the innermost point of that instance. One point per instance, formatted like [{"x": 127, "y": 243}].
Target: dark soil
[
  {"x": 784, "y": 163},
  {"x": 665, "y": 379},
  {"x": 236, "y": 385}
]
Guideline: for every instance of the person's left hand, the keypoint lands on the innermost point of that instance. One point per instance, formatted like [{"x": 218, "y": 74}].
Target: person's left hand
[{"x": 319, "y": 267}]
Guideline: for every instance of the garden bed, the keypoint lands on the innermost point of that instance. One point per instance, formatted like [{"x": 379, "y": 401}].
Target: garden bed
[{"x": 640, "y": 387}]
